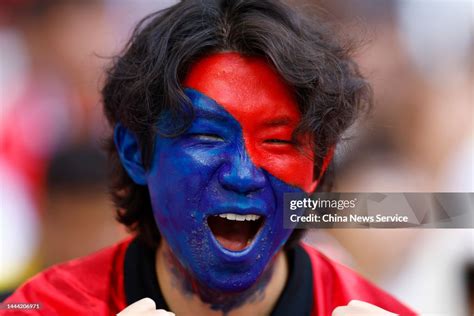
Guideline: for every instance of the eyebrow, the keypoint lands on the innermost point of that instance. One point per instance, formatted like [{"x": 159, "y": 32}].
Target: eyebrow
[
  {"x": 210, "y": 115},
  {"x": 279, "y": 121},
  {"x": 214, "y": 113}
]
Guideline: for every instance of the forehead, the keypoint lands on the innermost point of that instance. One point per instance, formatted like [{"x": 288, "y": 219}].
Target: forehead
[{"x": 247, "y": 87}]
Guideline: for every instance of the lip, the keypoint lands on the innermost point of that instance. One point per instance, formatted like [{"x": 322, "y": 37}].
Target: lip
[{"x": 237, "y": 254}]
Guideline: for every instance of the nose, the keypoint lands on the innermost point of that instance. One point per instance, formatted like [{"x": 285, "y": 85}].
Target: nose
[{"x": 239, "y": 174}]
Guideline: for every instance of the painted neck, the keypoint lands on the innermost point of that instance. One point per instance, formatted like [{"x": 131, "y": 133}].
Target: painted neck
[{"x": 186, "y": 297}]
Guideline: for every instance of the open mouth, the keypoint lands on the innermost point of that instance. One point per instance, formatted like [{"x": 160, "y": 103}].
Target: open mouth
[{"x": 235, "y": 232}]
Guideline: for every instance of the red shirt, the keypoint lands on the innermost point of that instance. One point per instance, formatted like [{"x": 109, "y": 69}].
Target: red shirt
[{"x": 94, "y": 285}]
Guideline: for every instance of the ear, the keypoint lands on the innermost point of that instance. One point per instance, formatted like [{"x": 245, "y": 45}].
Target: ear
[
  {"x": 326, "y": 161},
  {"x": 130, "y": 154}
]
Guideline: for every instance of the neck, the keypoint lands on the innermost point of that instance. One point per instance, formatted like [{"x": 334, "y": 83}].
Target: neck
[{"x": 185, "y": 297}]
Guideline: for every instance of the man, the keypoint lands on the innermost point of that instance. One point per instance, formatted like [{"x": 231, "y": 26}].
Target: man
[{"x": 218, "y": 109}]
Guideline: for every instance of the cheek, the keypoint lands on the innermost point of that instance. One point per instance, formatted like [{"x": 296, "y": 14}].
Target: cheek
[
  {"x": 177, "y": 179},
  {"x": 175, "y": 185},
  {"x": 287, "y": 163},
  {"x": 184, "y": 167}
]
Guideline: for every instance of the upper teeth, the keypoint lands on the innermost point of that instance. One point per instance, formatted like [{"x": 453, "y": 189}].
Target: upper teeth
[{"x": 238, "y": 217}]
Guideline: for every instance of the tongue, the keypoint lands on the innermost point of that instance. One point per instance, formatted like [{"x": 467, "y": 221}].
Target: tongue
[{"x": 232, "y": 235}]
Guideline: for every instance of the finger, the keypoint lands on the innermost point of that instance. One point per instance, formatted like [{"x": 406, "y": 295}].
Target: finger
[
  {"x": 354, "y": 311},
  {"x": 143, "y": 305},
  {"x": 349, "y": 311},
  {"x": 369, "y": 307}
]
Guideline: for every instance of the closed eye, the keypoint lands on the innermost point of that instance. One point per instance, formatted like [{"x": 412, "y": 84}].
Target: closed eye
[
  {"x": 207, "y": 137},
  {"x": 275, "y": 141}
]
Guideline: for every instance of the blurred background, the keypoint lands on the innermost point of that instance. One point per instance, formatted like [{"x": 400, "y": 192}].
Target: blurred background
[{"x": 418, "y": 55}]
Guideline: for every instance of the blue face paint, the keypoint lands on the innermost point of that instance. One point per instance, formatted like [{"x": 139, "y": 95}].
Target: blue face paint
[{"x": 205, "y": 172}]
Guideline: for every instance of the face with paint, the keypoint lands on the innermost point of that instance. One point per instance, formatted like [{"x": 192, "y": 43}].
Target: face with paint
[{"x": 217, "y": 189}]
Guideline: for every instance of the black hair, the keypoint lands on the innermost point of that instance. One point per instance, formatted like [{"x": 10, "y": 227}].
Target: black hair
[{"x": 145, "y": 80}]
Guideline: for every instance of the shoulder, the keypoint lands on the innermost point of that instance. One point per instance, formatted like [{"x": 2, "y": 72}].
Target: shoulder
[
  {"x": 88, "y": 285},
  {"x": 336, "y": 285}
]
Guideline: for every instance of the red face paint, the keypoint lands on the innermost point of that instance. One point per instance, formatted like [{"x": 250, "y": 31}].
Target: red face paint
[{"x": 257, "y": 97}]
